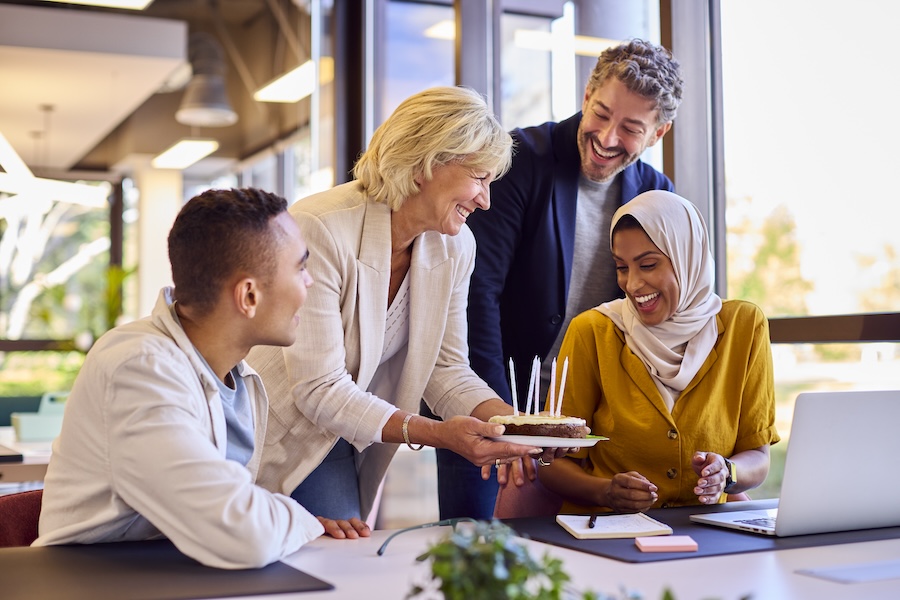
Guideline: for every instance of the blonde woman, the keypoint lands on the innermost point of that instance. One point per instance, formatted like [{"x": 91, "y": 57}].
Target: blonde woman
[{"x": 385, "y": 324}]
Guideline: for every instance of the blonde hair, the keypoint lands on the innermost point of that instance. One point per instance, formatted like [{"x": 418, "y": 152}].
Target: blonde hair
[{"x": 437, "y": 126}]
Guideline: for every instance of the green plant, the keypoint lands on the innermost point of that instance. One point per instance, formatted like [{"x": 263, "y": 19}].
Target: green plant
[{"x": 487, "y": 562}]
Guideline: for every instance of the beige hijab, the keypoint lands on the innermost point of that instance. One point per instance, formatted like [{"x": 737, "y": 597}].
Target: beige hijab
[{"x": 674, "y": 350}]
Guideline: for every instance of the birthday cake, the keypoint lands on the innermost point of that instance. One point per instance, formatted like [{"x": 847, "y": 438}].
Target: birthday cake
[{"x": 543, "y": 424}]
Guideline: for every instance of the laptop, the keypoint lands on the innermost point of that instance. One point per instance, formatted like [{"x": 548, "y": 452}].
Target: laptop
[{"x": 839, "y": 471}]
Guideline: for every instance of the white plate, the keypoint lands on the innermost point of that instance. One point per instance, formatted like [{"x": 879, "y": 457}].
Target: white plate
[{"x": 551, "y": 442}]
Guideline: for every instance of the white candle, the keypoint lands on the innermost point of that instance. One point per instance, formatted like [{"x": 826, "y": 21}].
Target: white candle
[
  {"x": 562, "y": 386},
  {"x": 530, "y": 395},
  {"x": 512, "y": 386},
  {"x": 553, "y": 387},
  {"x": 537, "y": 384}
]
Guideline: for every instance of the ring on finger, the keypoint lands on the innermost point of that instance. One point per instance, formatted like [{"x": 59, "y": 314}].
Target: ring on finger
[
  {"x": 497, "y": 463},
  {"x": 542, "y": 462}
]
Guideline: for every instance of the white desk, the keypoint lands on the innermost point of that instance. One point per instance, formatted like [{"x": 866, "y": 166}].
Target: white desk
[
  {"x": 36, "y": 456},
  {"x": 357, "y": 572}
]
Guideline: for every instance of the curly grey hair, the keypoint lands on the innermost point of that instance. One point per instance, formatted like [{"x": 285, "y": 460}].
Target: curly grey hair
[{"x": 645, "y": 69}]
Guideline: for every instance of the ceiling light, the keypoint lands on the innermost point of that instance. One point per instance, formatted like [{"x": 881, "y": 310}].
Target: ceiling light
[
  {"x": 10, "y": 160},
  {"x": 129, "y": 4},
  {"x": 290, "y": 87},
  {"x": 205, "y": 102},
  {"x": 542, "y": 40},
  {"x": 442, "y": 30},
  {"x": 62, "y": 191},
  {"x": 531, "y": 39},
  {"x": 18, "y": 180},
  {"x": 185, "y": 153}
]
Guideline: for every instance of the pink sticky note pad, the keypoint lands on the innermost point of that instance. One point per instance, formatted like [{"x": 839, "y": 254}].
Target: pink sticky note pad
[{"x": 666, "y": 543}]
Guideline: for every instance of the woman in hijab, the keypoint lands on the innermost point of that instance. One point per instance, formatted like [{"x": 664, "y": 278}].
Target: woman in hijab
[{"x": 679, "y": 380}]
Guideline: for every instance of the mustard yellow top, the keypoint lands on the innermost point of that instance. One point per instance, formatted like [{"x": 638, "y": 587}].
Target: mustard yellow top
[{"x": 727, "y": 408}]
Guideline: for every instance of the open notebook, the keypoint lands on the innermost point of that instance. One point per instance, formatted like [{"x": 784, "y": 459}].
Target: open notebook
[{"x": 839, "y": 471}]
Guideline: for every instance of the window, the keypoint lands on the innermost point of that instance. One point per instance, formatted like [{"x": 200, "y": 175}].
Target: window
[
  {"x": 810, "y": 222},
  {"x": 57, "y": 290},
  {"x": 418, "y": 51},
  {"x": 526, "y": 79}
]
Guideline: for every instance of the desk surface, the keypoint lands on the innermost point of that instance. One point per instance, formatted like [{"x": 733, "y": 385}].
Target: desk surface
[
  {"x": 34, "y": 465},
  {"x": 355, "y": 570}
]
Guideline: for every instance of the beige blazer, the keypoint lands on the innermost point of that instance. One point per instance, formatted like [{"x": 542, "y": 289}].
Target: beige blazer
[{"x": 318, "y": 387}]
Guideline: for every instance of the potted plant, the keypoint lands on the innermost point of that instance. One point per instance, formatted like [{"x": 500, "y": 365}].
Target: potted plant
[{"x": 488, "y": 562}]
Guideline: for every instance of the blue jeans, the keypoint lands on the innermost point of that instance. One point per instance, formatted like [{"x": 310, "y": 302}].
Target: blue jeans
[
  {"x": 461, "y": 490},
  {"x": 332, "y": 489}
]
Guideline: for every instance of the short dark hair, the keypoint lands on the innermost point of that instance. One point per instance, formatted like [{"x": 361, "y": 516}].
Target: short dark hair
[{"x": 219, "y": 233}]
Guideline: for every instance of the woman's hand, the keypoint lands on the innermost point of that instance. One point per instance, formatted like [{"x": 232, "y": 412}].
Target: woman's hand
[
  {"x": 341, "y": 529},
  {"x": 630, "y": 492},
  {"x": 711, "y": 469},
  {"x": 471, "y": 438}
]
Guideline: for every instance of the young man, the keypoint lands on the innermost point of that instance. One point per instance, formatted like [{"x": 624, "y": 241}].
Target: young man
[
  {"x": 165, "y": 423},
  {"x": 543, "y": 250}
]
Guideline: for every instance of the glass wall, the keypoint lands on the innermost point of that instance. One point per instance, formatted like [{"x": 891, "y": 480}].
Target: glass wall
[
  {"x": 55, "y": 281},
  {"x": 810, "y": 221},
  {"x": 526, "y": 77},
  {"x": 418, "y": 51}
]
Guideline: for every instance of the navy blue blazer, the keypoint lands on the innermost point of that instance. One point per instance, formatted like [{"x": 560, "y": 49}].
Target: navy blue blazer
[{"x": 518, "y": 291}]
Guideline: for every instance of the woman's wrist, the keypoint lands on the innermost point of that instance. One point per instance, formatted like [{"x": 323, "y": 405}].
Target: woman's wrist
[
  {"x": 601, "y": 497},
  {"x": 416, "y": 430},
  {"x": 404, "y": 428}
]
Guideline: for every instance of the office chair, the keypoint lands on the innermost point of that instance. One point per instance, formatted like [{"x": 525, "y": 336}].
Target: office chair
[{"x": 19, "y": 514}]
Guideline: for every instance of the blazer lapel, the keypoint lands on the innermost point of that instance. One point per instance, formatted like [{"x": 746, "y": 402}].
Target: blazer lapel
[
  {"x": 564, "y": 218},
  {"x": 565, "y": 189},
  {"x": 374, "y": 271},
  {"x": 430, "y": 289}
]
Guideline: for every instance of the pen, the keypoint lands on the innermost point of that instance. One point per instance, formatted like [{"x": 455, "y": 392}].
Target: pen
[{"x": 592, "y": 521}]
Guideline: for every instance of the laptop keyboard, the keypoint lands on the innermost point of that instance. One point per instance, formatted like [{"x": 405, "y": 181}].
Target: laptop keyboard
[{"x": 759, "y": 522}]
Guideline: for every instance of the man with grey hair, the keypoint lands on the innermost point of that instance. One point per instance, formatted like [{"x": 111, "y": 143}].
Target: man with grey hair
[{"x": 543, "y": 251}]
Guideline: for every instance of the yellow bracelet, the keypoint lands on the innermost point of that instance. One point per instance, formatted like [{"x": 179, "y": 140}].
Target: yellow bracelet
[{"x": 405, "y": 429}]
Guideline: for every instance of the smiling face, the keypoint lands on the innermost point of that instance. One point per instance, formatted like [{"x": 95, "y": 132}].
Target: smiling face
[
  {"x": 284, "y": 289},
  {"x": 453, "y": 193},
  {"x": 617, "y": 125},
  {"x": 646, "y": 275}
]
